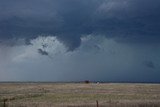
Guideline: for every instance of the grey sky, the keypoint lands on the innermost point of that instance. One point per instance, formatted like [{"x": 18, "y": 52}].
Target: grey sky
[{"x": 54, "y": 40}]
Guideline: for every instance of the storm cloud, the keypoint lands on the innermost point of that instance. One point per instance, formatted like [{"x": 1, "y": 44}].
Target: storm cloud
[
  {"x": 95, "y": 39},
  {"x": 125, "y": 20},
  {"x": 42, "y": 52},
  {"x": 149, "y": 64}
]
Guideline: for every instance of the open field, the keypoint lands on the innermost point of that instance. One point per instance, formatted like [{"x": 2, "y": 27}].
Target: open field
[{"x": 79, "y": 95}]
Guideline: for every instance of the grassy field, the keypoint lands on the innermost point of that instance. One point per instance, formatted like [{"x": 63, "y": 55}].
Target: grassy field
[{"x": 79, "y": 95}]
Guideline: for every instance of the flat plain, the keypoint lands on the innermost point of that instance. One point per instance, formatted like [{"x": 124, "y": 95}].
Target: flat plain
[{"x": 79, "y": 95}]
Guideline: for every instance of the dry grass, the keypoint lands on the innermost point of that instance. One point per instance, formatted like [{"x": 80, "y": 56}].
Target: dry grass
[{"x": 79, "y": 95}]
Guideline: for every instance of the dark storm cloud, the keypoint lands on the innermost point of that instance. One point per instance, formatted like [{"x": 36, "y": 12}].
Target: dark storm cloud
[
  {"x": 42, "y": 52},
  {"x": 134, "y": 21},
  {"x": 149, "y": 64}
]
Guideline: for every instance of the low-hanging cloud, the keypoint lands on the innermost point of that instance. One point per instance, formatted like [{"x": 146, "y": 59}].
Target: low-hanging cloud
[
  {"x": 149, "y": 64},
  {"x": 42, "y": 52},
  {"x": 97, "y": 59}
]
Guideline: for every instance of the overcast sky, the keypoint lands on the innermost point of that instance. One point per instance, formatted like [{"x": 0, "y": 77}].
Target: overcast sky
[{"x": 77, "y": 40}]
